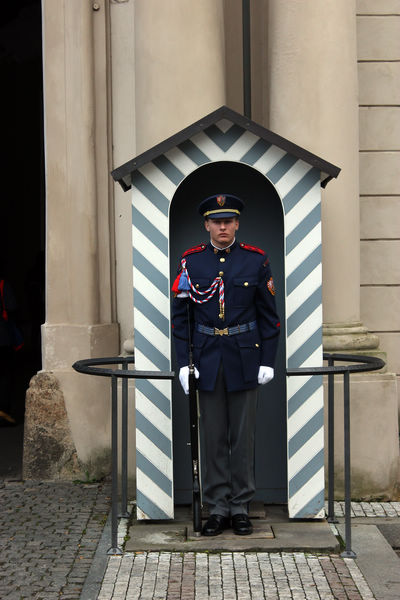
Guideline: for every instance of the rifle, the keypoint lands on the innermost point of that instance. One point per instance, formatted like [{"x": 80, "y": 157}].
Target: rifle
[{"x": 194, "y": 437}]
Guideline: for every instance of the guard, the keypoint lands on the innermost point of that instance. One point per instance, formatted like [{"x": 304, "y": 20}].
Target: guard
[{"x": 235, "y": 330}]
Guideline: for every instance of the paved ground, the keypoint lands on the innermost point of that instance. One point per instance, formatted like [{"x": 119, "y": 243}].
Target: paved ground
[
  {"x": 54, "y": 540},
  {"x": 231, "y": 576},
  {"x": 374, "y": 575},
  {"x": 49, "y": 533}
]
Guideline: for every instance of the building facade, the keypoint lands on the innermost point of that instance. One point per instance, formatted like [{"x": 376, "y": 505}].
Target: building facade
[{"x": 121, "y": 76}]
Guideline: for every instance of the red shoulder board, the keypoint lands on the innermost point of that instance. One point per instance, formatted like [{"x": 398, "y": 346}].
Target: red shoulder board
[
  {"x": 195, "y": 249},
  {"x": 251, "y": 248}
]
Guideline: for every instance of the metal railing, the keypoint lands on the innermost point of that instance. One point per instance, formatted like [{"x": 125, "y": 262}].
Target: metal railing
[
  {"x": 368, "y": 363},
  {"x": 92, "y": 366}
]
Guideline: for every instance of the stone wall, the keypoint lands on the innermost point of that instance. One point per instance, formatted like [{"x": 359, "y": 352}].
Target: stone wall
[{"x": 378, "y": 36}]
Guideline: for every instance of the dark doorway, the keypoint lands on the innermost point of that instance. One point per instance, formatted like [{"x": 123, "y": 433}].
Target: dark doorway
[
  {"x": 22, "y": 205},
  {"x": 261, "y": 224}
]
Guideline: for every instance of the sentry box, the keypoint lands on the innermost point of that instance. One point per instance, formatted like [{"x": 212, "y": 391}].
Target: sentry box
[{"x": 281, "y": 186}]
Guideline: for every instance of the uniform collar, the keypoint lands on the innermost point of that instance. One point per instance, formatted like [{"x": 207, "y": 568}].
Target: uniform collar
[{"x": 226, "y": 250}]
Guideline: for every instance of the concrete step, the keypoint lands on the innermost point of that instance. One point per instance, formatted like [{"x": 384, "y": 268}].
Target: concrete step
[{"x": 273, "y": 533}]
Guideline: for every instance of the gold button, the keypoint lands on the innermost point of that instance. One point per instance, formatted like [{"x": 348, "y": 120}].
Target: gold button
[
  {"x": 221, "y": 260},
  {"x": 257, "y": 345},
  {"x": 221, "y": 273},
  {"x": 246, "y": 283},
  {"x": 197, "y": 285}
]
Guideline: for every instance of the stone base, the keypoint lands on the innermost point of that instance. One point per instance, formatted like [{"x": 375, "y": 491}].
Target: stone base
[
  {"x": 374, "y": 437},
  {"x": 68, "y": 415},
  {"x": 49, "y": 452},
  {"x": 348, "y": 337}
]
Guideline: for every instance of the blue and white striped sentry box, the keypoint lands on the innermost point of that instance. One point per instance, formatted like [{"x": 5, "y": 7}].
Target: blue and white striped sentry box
[{"x": 297, "y": 176}]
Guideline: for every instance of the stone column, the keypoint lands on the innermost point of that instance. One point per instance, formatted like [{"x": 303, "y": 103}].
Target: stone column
[
  {"x": 79, "y": 304},
  {"x": 179, "y": 77},
  {"x": 314, "y": 103},
  {"x": 313, "y": 89},
  {"x": 180, "y": 65}
]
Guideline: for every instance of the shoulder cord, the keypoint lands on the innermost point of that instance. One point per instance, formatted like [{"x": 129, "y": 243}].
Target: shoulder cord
[{"x": 217, "y": 283}]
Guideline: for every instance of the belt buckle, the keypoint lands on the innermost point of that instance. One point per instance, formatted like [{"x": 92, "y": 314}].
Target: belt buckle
[{"x": 221, "y": 331}]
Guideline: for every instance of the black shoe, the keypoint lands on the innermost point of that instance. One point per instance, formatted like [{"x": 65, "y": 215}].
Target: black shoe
[
  {"x": 215, "y": 525},
  {"x": 242, "y": 525}
]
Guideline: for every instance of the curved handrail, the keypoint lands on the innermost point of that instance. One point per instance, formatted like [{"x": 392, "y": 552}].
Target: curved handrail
[
  {"x": 93, "y": 366},
  {"x": 89, "y": 366},
  {"x": 368, "y": 363}
]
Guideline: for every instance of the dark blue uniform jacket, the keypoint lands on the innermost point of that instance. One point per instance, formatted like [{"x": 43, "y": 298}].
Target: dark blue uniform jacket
[{"x": 249, "y": 296}]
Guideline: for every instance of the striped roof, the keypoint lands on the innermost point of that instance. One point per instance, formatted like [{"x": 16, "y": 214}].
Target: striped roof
[{"x": 123, "y": 174}]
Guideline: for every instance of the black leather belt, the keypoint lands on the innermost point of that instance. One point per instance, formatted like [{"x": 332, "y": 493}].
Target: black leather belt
[{"x": 227, "y": 330}]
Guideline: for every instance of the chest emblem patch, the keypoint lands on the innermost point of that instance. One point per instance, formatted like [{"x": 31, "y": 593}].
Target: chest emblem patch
[{"x": 270, "y": 286}]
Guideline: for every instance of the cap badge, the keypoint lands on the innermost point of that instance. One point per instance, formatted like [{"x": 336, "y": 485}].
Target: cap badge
[{"x": 221, "y": 200}]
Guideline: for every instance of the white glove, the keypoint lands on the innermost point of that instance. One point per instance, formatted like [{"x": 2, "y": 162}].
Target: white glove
[
  {"x": 184, "y": 378},
  {"x": 265, "y": 374}
]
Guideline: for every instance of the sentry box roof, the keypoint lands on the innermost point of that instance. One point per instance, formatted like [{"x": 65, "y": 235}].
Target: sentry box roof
[{"x": 238, "y": 123}]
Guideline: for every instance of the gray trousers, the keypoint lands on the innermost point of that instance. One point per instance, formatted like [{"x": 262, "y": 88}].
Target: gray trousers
[{"x": 227, "y": 421}]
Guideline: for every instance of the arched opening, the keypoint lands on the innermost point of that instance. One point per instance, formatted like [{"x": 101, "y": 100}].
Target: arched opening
[{"x": 262, "y": 225}]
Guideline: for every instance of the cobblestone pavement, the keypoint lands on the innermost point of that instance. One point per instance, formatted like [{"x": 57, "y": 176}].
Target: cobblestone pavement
[
  {"x": 240, "y": 575},
  {"x": 232, "y": 576},
  {"x": 368, "y": 509},
  {"x": 49, "y": 532}
]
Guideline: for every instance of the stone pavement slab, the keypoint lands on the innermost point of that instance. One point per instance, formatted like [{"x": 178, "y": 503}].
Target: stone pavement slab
[
  {"x": 376, "y": 559},
  {"x": 391, "y": 532},
  {"x": 262, "y": 530},
  {"x": 276, "y": 533}
]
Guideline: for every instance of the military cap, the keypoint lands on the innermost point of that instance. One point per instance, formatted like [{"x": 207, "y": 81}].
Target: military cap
[{"x": 221, "y": 206}]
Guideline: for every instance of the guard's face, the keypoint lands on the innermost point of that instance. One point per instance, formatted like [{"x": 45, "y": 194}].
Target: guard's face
[{"x": 222, "y": 231}]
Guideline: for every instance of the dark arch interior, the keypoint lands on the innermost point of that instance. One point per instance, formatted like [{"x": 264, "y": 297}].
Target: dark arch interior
[
  {"x": 22, "y": 240},
  {"x": 261, "y": 224}
]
